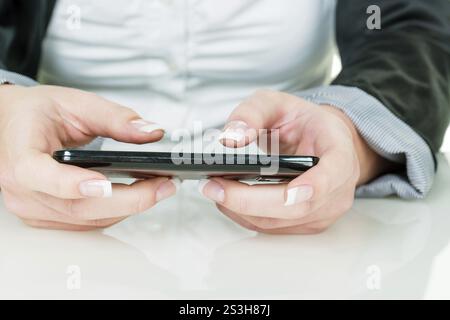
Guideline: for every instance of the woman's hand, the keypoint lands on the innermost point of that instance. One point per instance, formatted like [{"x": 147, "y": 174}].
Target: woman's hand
[
  {"x": 314, "y": 200},
  {"x": 34, "y": 122}
]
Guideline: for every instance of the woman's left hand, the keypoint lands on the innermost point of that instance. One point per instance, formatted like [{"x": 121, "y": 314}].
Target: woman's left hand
[{"x": 314, "y": 200}]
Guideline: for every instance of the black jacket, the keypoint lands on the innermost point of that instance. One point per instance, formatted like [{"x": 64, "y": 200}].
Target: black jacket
[{"x": 405, "y": 65}]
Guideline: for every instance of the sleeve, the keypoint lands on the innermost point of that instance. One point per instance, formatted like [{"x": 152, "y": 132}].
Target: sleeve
[
  {"x": 405, "y": 64},
  {"x": 395, "y": 86},
  {"x": 388, "y": 136},
  {"x": 23, "y": 26},
  {"x": 7, "y": 77}
]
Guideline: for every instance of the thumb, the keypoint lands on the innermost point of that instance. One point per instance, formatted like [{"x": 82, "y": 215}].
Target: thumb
[
  {"x": 96, "y": 116},
  {"x": 265, "y": 109},
  {"x": 37, "y": 171}
]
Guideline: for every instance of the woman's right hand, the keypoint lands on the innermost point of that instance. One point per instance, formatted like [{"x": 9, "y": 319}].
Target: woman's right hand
[{"x": 35, "y": 122}]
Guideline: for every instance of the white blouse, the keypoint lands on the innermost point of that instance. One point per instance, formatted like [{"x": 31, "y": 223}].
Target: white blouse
[{"x": 178, "y": 61}]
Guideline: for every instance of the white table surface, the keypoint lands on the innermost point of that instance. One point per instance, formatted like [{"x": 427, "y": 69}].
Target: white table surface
[{"x": 184, "y": 248}]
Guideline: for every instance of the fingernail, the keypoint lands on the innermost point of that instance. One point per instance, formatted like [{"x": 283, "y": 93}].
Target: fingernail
[
  {"x": 96, "y": 188},
  {"x": 146, "y": 126},
  {"x": 235, "y": 130},
  {"x": 212, "y": 190},
  {"x": 167, "y": 189},
  {"x": 298, "y": 195}
]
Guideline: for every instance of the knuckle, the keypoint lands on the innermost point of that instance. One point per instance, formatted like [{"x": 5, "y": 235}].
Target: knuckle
[
  {"x": 60, "y": 188},
  {"x": 70, "y": 227},
  {"x": 242, "y": 204},
  {"x": 127, "y": 112},
  {"x": 272, "y": 223},
  {"x": 142, "y": 203},
  {"x": 13, "y": 206},
  {"x": 86, "y": 97},
  {"x": 69, "y": 208},
  {"x": 37, "y": 224},
  {"x": 249, "y": 103},
  {"x": 323, "y": 185},
  {"x": 294, "y": 214},
  {"x": 7, "y": 179},
  {"x": 121, "y": 114},
  {"x": 264, "y": 93},
  {"x": 31, "y": 223},
  {"x": 251, "y": 227},
  {"x": 102, "y": 223},
  {"x": 78, "y": 210},
  {"x": 247, "y": 224},
  {"x": 347, "y": 204},
  {"x": 315, "y": 231},
  {"x": 20, "y": 170},
  {"x": 318, "y": 227},
  {"x": 299, "y": 212},
  {"x": 263, "y": 223},
  {"x": 355, "y": 160}
]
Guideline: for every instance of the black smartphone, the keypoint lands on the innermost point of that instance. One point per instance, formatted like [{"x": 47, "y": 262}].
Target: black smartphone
[{"x": 189, "y": 166}]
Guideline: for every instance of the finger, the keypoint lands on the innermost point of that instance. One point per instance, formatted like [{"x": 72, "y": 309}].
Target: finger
[
  {"x": 28, "y": 208},
  {"x": 237, "y": 218},
  {"x": 77, "y": 226},
  {"x": 126, "y": 200},
  {"x": 256, "y": 200},
  {"x": 334, "y": 170},
  {"x": 298, "y": 199},
  {"x": 339, "y": 203},
  {"x": 312, "y": 228},
  {"x": 264, "y": 223},
  {"x": 263, "y": 110},
  {"x": 306, "y": 229},
  {"x": 96, "y": 116},
  {"x": 52, "y": 225},
  {"x": 38, "y": 171}
]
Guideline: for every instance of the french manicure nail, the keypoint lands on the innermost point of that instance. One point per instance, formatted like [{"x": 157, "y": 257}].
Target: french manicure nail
[
  {"x": 96, "y": 188},
  {"x": 235, "y": 130},
  {"x": 211, "y": 190},
  {"x": 298, "y": 194},
  {"x": 167, "y": 189},
  {"x": 146, "y": 126}
]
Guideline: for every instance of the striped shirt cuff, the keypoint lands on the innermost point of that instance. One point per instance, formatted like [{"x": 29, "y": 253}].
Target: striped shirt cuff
[
  {"x": 15, "y": 78},
  {"x": 387, "y": 135}
]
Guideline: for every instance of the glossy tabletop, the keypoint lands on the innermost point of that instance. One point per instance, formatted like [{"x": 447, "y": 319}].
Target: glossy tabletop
[{"x": 184, "y": 248}]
